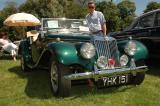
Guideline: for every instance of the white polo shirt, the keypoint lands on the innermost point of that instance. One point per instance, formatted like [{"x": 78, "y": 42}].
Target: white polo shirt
[{"x": 95, "y": 21}]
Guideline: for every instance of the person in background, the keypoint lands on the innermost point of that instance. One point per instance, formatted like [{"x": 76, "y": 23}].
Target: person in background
[
  {"x": 95, "y": 20},
  {"x": 7, "y": 45}
]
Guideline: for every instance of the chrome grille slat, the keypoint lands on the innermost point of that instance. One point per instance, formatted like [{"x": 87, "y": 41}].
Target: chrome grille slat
[
  {"x": 101, "y": 50},
  {"x": 98, "y": 52},
  {"x": 107, "y": 48}
]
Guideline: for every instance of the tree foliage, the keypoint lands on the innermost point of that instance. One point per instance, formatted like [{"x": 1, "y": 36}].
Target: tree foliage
[
  {"x": 126, "y": 8},
  {"x": 10, "y": 8},
  {"x": 54, "y": 8},
  {"x": 43, "y": 8},
  {"x": 127, "y": 13},
  {"x": 82, "y": 2},
  {"x": 152, "y": 6},
  {"x": 117, "y": 16},
  {"x": 75, "y": 10},
  {"x": 111, "y": 13}
]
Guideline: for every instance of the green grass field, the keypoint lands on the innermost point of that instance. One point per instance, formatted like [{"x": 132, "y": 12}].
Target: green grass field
[{"x": 32, "y": 88}]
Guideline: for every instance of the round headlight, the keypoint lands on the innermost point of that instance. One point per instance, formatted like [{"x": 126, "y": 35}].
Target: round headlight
[
  {"x": 88, "y": 50},
  {"x": 130, "y": 48},
  {"x": 123, "y": 60},
  {"x": 102, "y": 62}
]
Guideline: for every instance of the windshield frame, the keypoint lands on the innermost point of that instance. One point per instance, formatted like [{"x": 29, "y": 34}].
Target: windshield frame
[{"x": 63, "y": 30}]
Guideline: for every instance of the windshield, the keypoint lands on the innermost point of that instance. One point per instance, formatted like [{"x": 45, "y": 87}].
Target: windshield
[
  {"x": 63, "y": 25},
  {"x": 132, "y": 25}
]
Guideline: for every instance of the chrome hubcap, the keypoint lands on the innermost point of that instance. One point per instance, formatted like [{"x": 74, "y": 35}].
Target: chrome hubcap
[{"x": 54, "y": 77}]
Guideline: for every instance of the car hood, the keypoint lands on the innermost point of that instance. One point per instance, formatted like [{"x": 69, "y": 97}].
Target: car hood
[
  {"x": 121, "y": 35},
  {"x": 70, "y": 36}
]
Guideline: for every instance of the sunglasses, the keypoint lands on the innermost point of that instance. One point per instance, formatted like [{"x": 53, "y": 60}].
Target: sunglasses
[{"x": 91, "y": 7}]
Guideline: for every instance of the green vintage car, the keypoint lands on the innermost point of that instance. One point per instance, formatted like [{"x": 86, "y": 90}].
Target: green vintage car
[{"x": 71, "y": 53}]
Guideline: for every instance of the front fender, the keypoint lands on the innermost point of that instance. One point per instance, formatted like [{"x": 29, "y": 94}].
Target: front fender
[
  {"x": 142, "y": 52},
  {"x": 67, "y": 54}
]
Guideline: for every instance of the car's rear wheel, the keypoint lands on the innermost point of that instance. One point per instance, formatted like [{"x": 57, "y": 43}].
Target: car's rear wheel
[
  {"x": 24, "y": 67},
  {"x": 60, "y": 86},
  {"x": 138, "y": 79}
]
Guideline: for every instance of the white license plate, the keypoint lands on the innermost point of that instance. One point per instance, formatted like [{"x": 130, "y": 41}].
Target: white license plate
[{"x": 115, "y": 80}]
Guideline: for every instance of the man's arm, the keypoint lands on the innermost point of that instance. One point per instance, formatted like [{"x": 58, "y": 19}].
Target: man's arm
[
  {"x": 103, "y": 22},
  {"x": 104, "y": 28}
]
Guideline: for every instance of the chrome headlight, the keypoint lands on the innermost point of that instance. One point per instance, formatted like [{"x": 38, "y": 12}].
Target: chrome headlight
[
  {"x": 88, "y": 50},
  {"x": 123, "y": 60},
  {"x": 102, "y": 62},
  {"x": 130, "y": 48}
]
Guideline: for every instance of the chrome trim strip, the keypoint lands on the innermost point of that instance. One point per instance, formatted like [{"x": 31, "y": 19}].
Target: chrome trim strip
[{"x": 111, "y": 72}]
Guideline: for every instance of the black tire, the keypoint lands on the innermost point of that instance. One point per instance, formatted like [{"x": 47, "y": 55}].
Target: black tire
[
  {"x": 59, "y": 85},
  {"x": 24, "y": 67},
  {"x": 138, "y": 79}
]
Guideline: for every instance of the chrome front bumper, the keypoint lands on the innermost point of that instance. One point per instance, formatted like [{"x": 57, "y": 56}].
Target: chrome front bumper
[{"x": 105, "y": 73}]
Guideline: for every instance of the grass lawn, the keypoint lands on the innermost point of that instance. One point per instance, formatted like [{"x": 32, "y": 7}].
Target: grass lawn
[{"x": 32, "y": 88}]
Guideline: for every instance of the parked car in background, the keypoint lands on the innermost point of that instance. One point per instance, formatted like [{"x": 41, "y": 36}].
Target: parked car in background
[
  {"x": 70, "y": 53},
  {"x": 145, "y": 28}
]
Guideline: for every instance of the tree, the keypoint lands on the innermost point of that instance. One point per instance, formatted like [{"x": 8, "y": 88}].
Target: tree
[
  {"x": 127, "y": 13},
  {"x": 82, "y": 2},
  {"x": 152, "y": 6},
  {"x": 126, "y": 8},
  {"x": 43, "y": 8},
  {"x": 54, "y": 8},
  {"x": 11, "y": 8},
  {"x": 111, "y": 13},
  {"x": 75, "y": 10}
]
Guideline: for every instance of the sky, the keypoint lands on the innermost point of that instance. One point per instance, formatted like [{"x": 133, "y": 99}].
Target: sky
[{"x": 140, "y": 4}]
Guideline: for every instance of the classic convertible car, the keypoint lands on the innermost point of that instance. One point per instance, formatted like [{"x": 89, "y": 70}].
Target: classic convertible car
[{"x": 71, "y": 53}]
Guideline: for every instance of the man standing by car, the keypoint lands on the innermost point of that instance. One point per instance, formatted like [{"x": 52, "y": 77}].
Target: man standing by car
[
  {"x": 96, "y": 23},
  {"x": 95, "y": 20}
]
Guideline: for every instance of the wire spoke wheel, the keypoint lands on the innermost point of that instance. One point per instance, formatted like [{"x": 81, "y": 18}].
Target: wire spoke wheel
[
  {"x": 59, "y": 85},
  {"x": 54, "y": 77}
]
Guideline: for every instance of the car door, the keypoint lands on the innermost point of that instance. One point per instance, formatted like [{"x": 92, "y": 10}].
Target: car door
[
  {"x": 144, "y": 26},
  {"x": 155, "y": 36},
  {"x": 144, "y": 30}
]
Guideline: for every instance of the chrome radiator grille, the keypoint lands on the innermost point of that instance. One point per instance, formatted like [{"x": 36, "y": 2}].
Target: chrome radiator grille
[{"x": 107, "y": 48}]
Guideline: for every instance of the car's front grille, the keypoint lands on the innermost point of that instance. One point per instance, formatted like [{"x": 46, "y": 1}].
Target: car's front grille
[{"x": 108, "y": 48}]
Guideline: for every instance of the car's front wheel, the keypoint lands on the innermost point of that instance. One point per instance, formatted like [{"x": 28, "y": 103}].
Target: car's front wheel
[{"x": 60, "y": 86}]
